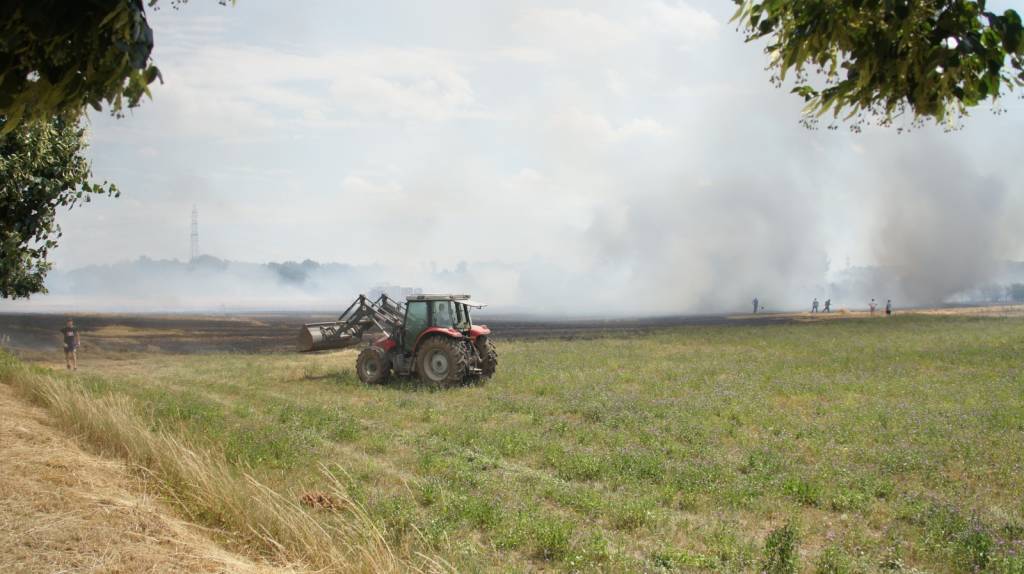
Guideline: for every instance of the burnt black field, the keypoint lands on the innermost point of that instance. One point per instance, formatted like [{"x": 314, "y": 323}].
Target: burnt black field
[{"x": 276, "y": 332}]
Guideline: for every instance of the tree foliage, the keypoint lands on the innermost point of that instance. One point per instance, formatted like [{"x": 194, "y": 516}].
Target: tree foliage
[
  {"x": 42, "y": 168},
  {"x": 59, "y": 56},
  {"x": 883, "y": 58}
]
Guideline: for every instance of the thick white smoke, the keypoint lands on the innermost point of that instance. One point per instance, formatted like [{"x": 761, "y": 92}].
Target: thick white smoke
[{"x": 944, "y": 225}]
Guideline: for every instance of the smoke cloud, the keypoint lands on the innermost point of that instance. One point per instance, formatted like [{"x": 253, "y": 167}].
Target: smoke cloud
[
  {"x": 938, "y": 226},
  {"x": 601, "y": 158},
  {"x": 945, "y": 226},
  {"x": 715, "y": 247}
]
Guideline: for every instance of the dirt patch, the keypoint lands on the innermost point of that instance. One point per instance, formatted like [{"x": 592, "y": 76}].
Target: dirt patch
[{"x": 65, "y": 510}]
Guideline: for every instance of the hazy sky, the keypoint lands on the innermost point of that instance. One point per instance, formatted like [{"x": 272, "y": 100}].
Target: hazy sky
[{"x": 628, "y": 143}]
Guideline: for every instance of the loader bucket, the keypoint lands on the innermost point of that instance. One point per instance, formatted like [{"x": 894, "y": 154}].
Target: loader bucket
[
  {"x": 363, "y": 316},
  {"x": 321, "y": 337}
]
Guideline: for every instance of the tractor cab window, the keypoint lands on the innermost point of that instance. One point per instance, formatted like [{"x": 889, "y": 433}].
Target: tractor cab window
[
  {"x": 462, "y": 317},
  {"x": 442, "y": 315},
  {"x": 415, "y": 322}
]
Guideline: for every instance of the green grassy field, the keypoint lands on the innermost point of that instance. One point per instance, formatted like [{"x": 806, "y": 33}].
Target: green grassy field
[{"x": 837, "y": 446}]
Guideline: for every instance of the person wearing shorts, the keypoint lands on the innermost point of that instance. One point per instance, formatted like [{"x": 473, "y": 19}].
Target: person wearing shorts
[{"x": 71, "y": 344}]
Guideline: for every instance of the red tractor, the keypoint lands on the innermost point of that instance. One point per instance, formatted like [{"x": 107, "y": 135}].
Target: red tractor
[{"x": 430, "y": 336}]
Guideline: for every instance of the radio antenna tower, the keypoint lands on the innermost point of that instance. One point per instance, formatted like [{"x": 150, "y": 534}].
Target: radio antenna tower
[{"x": 195, "y": 234}]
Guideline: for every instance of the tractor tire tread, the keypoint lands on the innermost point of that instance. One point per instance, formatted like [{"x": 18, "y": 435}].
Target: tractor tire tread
[
  {"x": 488, "y": 358},
  {"x": 458, "y": 358},
  {"x": 383, "y": 373}
]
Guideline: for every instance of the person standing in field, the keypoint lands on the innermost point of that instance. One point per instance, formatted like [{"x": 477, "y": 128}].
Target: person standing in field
[
  {"x": 828, "y": 305},
  {"x": 814, "y": 305},
  {"x": 888, "y": 307},
  {"x": 755, "y": 302},
  {"x": 872, "y": 305},
  {"x": 71, "y": 344}
]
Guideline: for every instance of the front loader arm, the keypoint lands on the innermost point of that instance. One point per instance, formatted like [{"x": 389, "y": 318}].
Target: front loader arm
[{"x": 362, "y": 316}]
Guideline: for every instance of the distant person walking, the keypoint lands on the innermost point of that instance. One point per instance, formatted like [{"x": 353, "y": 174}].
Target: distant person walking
[
  {"x": 872, "y": 305},
  {"x": 71, "y": 344},
  {"x": 828, "y": 305},
  {"x": 756, "y": 303},
  {"x": 888, "y": 307},
  {"x": 814, "y": 305}
]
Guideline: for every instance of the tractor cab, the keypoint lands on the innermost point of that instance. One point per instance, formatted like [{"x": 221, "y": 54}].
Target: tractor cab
[{"x": 438, "y": 313}]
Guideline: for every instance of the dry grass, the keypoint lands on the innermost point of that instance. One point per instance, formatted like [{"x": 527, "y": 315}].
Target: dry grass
[
  {"x": 1000, "y": 311},
  {"x": 120, "y": 331},
  {"x": 252, "y": 516},
  {"x": 989, "y": 311},
  {"x": 66, "y": 510}
]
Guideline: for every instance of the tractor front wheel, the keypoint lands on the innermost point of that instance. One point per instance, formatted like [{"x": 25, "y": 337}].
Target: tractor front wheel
[
  {"x": 442, "y": 361},
  {"x": 373, "y": 366}
]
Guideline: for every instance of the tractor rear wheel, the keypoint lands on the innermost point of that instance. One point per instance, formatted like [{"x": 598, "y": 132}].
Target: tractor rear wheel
[
  {"x": 442, "y": 361},
  {"x": 373, "y": 366},
  {"x": 488, "y": 357}
]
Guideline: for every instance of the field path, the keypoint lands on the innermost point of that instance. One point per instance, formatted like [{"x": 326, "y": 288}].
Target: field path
[{"x": 66, "y": 510}]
